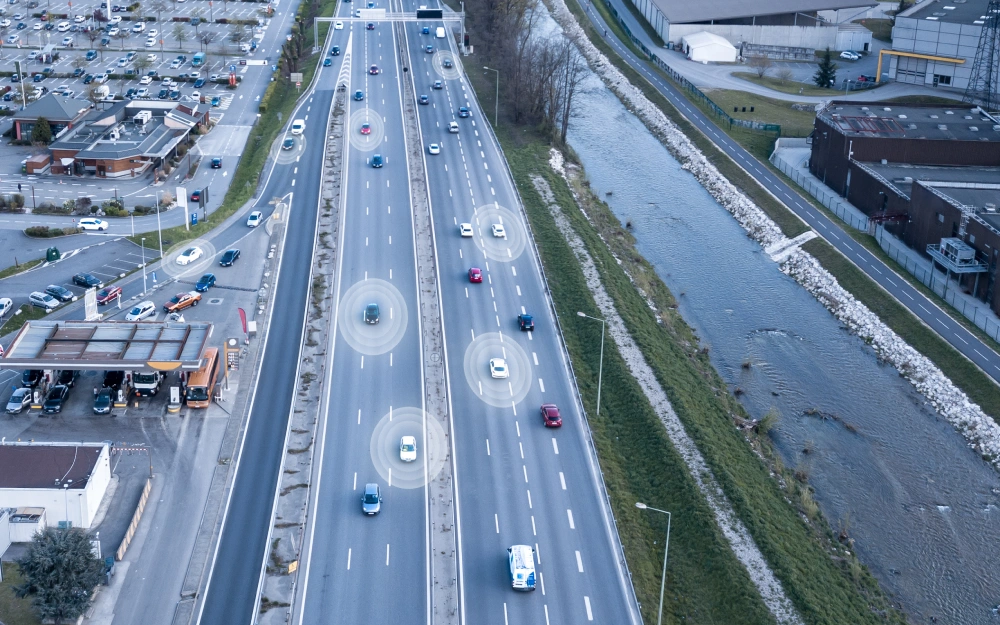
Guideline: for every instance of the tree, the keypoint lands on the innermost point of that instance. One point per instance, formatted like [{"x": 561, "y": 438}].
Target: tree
[
  {"x": 42, "y": 131},
  {"x": 95, "y": 94},
  {"x": 196, "y": 18},
  {"x": 179, "y": 34},
  {"x": 827, "y": 72},
  {"x": 123, "y": 35},
  {"x": 80, "y": 62},
  {"x": 205, "y": 39},
  {"x": 60, "y": 572},
  {"x": 82, "y": 206},
  {"x": 141, "y": 64},
  {"x": 761, "y": 65},
  {"x": 573, "y": 70},
  {"x": 159, "y": 7},
  {"x": 785, "y": 74}
]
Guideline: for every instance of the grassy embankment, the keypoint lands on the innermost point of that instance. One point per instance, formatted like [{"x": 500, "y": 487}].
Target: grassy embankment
[
  {"x": 281, "y": 98},
  {"x": 13, "y": 270}
]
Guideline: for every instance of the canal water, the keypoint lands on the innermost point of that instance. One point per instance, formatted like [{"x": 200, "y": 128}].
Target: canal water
[{"x": 920, "y": 504}]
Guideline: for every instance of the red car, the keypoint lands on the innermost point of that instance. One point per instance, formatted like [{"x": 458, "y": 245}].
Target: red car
[
  {"x": 366, "y": 129},
  {"x": 195, "y": 196},
  {"x": 373, "y": 70},
  {"x": 475, "y": 274},
  {"x": 108, "y": 295},
  {"x": 550, "y": 416}
]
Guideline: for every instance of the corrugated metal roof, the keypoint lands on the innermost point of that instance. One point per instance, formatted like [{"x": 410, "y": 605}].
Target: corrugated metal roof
[{"x": 707, "y": 10}]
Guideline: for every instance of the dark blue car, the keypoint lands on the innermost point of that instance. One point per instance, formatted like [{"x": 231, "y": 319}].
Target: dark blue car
[{"x": 206, "y": 282}]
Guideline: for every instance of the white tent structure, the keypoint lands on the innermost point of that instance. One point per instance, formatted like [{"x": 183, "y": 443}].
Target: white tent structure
[{"x": 705, "y": 47}]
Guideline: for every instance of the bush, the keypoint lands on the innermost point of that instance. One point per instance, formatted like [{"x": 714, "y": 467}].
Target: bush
[
  {"x": 44, "y": 232},
  {"x": 143, "y": 210},
  {"x": 114, "y": 211},
  {"x": 48, "y": 208}
]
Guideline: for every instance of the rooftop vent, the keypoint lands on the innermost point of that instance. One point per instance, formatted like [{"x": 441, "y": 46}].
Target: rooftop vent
[
  {"x": 948, "y": 8},
  {"x": 942, "y": 127},
  {"x": 885, "y": 162},
  {"x": 902, "y": 116},
  {"x": 974, "y": 128}
]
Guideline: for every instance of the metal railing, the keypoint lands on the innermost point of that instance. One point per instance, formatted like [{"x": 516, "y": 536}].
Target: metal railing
[{"x": 823, "y": 194}]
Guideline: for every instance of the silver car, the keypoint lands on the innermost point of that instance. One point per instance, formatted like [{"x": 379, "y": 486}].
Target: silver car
[
  {"x": 19, "y": 400},
  {"x": 371, "y": 501},
  {"x": 43, "y": 300}
]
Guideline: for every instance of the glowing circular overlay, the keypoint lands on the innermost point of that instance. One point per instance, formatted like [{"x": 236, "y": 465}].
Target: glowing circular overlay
[
  {"x": 283, "y": 156},
  {"x": 503, "y": 249},
  {"x": 169, "y": 264},
  {"x": 432, "y": 451},
  {"x": 448, "y": 73},
  {"x": 497, "y": 392},
  {"x": 372, "y": 339},
  {"x": 369, "y": 142}
]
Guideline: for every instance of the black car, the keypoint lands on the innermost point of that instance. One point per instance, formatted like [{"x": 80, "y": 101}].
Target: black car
[
  {"x": 102, "y": 401},
  {"x": 335, "y": 51},
  {"x": 31, "y": 377},
  {"x": 288, "y": 144},
  {"x": 87, "y": 280},
  {"x": 113, "y": 379},
  {"x": 447, "y": 63},
  {"x": 163, "y": 94},
  {"x": 89, "y": 78},
  {"x": 377, "y": 161},
  {"x": 371, "y": 313},
  {"x": 526, "y": 323},
  {"x": 61, "y": 293},
  {"x": 78, "y": 72},
  {"x": 230, "y": 257},
  {"x": 55, "y": 399},
  {"x": 216, "y": 163},
  {"x": 206, "y": 282},
  {"x": 67, "y": 377}
]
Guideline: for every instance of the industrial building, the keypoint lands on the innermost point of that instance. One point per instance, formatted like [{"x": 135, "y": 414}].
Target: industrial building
[
  {"x": 934, "y": 43},
  {"x": 786, "y": 23},
  {"x": 929, "y": 174}
]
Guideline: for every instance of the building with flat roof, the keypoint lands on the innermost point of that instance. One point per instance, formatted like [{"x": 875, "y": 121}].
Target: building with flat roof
[
  {"x": 68, "y": 480},
  {"x": 934, "y": 43},
  {"x": 789, "y": 23}
]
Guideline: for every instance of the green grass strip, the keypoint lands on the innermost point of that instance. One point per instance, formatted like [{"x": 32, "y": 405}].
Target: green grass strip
[{"x": 13, "y": 270}]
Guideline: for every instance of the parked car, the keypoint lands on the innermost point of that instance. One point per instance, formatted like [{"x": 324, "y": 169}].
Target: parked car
[
  {"x": 87, "y": 280},
  {"x": 19, "y": 400},
  {"x": 6, "y": 304},
  {"x": 55, "y": 399},
  {"x": 108, "y": 295},
  {"x": 30, "y": 378},
  {"x": 229, "y": 258},
  {"x": 68, "y": 377},
  {"x": 103, "y": 401},
  {"x": 61, "y": 293},
  {"x": 849, "y": 55},
  {"x": 199, "y": 83},
  {"x": 206, "y": 282},
  {"x": 43, "y": 300}
]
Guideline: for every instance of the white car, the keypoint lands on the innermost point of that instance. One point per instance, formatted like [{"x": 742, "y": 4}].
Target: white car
[
  {"x": 63, "y": 27},
  {"x": 196, "y": 96},
  {"x": 434, "y": 148},
  {"x": 67, "y": 42},
  {"x": 189, "y": 255},
  {"x": 43, "y": 300},
  {"x": 850, "y": 56},
  {"x": 115, "y": 19},
  {"x": 12, "y": 39},
  {"x": 151, "y": 58},
  {"x": 465, "y": 230},
  {"x": 453, "y": 128},
  {"x": 254, "y": 219},
  {"x": 92, "y": 223},
  {"x": 122, "y": 62},
  {"x": 5, "y": 23},
  {"x": 338, "y": 26},
  {"x": 142, "y": 92},
  {"x": 113, "y": 32},
  {"x": 79, "y": 19},
  {"x": 139, "y": 27},
  {"x": 498, "y": 368},
  {"x": 151, "y": 43},
  {"x": 298, "y": 127},
  {"x": 168, "y": 82},
  {"x": 141, "y": 311},
  {"x": 38, "y": 26},
  {"x": 408, "y": 448},
  {"x": 195, "y": 75},
  {"x": 499, "y": 232},
  {"x": 175, "y": 64},
  {"x": 152, "y": 32},
  {"x": 146, "y": 80},
  {"x": 5, "y": 305}
]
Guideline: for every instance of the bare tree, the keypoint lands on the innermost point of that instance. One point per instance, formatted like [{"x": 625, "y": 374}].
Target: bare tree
[
  {"x": 761, "y": 65},
  {"x": 123, "y": 35},
  {"x": 159, "y": 7},
  {"x": 573, "y": 74},
  {"x": 79, "y": 62},
  {"x": 205, "y": 39},
  {"x": 179, "y": 34},
  {"x": 141, "y": 64},
  {"x": 196, "y": 19},
  {"x": 785, "y": 74}
]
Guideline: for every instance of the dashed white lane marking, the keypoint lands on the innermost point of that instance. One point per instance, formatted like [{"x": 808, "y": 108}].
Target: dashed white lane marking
[
  {"x": 387, "y": 554},
  {"x": 586, "y": 602},
  {"x": 562, "y": 480},
  {"x": 348, "y": 558},
  {"x": 487, "y": 446},
  {"x": 579, "y": 562},
  {"x": 529, "y": 499},
  {"x": 525, "y": 473},
  {"x": 534, "y": 354},
  {"x": 496, "y": 521},
  {"x": 541, "y": 385},
  {"x": 569, "y": 515},
  {"x": 555, "y": 445}
]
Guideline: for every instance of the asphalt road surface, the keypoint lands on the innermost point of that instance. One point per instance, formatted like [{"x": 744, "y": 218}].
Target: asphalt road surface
[{"x": 926, "y": 310}]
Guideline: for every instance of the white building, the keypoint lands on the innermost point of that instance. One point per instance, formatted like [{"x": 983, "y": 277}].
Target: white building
[
  {"x": 934, "y": 43},
  {"x": 790, "y": 23},
  {"x": 705, "y": 47},
  {"x": 68, "y": 480}
]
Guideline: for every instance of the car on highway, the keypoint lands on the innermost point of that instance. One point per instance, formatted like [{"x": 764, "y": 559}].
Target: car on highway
[
  {"x": 196, "y": 195},
  {"x": 327, "y": 62},
  {"x": 141, "y": 311},
  {"x": 373, "y": 70},
  {"x": 366, "y": 128},
  {"x": 108, "y": 295},
  {"x": 205, "y": 282},
  {"x": 526, "y": 322},
  {"x": 19, "y": 400},
  {"x": 254, "y": 219},
  {"x": 475, "y": 275},
  {"x": 216, "y": 163},
  {"x": 55, "y": 399},
  {"x": 850, "y": 56},
  {"x": 453, "y": 127},
  {"x": 335, "y": 51},
  {"x": 550, "y": 416},
  {"x": 6, "y": 304},
  {"x": 61, "y": 293},
  {"x": 408, "y": 448},
  {"x": 371, "y": 500},
  {"x": 103, "y": 401},
  {"x": 521, "y": 559},
  {"x": 498, "y": 368},
  {"x": 229, "y": 257},
  {"x": 447, "y": 63},
  {"x": 359, "y": 95},
  {"x": 371, "y": 314},
  {"x": 338, "y": 26},
  {"x": 181, "y": 301},
  {"x": 87, "y": 280},
  {"x": 377, "y": 161},
  {"x": 298, "y": 127},
  {"x": 463, "y": 111},
  {"x": 465, "y": 230},
  {"x": 438, "y": 84},
  {"x": 92, "y": 223},
  {"x": 499, "y": 231},
  {"x": 434, "y": 148},
  {"x": 288, "y": 143},
  {"x": 424, "y": 100},
  {"x": 43, "y": 300},
  {"x": 189, "y": 255},
  {"x": 426, "y": 30},
  {"x": 429, "y": 49},
  {"x": 371, "y": 26}
]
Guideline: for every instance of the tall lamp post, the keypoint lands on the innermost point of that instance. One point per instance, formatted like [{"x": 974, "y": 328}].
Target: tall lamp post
[
  {"x": 600, "y": 370},
  {"x": 666, "y": 550},
  {"x": 143, "y": 245},
  {"x": 496, "y": 100}
]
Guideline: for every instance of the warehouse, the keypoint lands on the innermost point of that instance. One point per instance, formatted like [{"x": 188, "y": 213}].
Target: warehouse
[
  {"x": 934, "y": 43},
  {"x": 789, "y": 23}
]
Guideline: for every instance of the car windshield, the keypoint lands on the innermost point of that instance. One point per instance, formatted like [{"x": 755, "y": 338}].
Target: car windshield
[
  {"x": 103, "y": 399},
  {"x": 197, "y": 393},
  {"x": 19, "y": 394},
  {"x": 206, "y": 278},
  {"x": 408, "y": 447},
  {"x": 189, "y": 252},
  {"x": 104, "y": 293},
  {"x": 175, "y": 299},
  {"x": 136, "y": 311},
  {"x": 499, "y": 367},
  {"x": 144, "y": 378},
  {"x": 228, "y": 256},
  {"x": 371, "y": 498}
]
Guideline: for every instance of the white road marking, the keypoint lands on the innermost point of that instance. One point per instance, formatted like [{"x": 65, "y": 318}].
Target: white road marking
[
  {"x": 562, "y": 480},
  {"x": 586, "y": 601},
  {"x": 579, "y": 562},
  {"x": 569, "y": 514},
  {"x": 387, "y": 554},
  {"x": 487, "y": 447},
  {"x": 541, "y": 385},
  {"x": 496, "y": 521},
  {"x": 529, "y": 499},
  {"x": 533, "y": 354},
  {"x": 555, "y": 445},
  {"x": 348, "y": 558},
  {"x": 533, "y": 531},
  {"x": 525, "y": 473},
  {"x": 521, "y": 447},
  {"x": 362, "y": 362},
  {"x": 356, "y": 477},
  {"x": 518, "y": 427}
]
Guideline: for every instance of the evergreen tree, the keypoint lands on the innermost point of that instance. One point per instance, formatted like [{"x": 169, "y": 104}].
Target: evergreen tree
[
  {"x": 827, "y": 71},
  {"x": 42, "y": 132},
  {"x": 60, "y": 571}
]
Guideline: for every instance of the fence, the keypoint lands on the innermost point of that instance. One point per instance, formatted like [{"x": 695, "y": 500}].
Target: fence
[
  {"x": 687, "y": 85},
  {"x": 971, "y": 308},
  {"x": 822, "y": 193},
  {"x": 135, "y": 520}
]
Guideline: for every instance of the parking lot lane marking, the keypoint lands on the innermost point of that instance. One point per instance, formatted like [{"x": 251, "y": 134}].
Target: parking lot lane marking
[
  {"x": 525, "y": 473},
  {"x": 529, "y": 498},
  {"x": 555, "y": 445},
  {"x": 569, "y": 515},
  {"x": 521, "y": 447},
  {"x": 487, "y": 447},
  {"x": 586, "y": 602},
  {"x": 579, "y": 562},
  {"x": 496, "y": 522},
  {"x": 562, "y": 480}
]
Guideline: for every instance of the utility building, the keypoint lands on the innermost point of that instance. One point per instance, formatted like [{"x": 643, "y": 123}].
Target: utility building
[{"x": 934, "y": 43}]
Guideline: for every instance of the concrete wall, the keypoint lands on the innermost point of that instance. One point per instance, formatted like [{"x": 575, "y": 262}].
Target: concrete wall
[
  {"x": 854, "y": 39},
  {"x": 654, "y": 17},
  {"x": 815, "y": 37},
  {"x": 937, "y": 38}
]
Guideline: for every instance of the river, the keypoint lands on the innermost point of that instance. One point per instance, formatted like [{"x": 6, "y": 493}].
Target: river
[{"x": 921, "y": 505}]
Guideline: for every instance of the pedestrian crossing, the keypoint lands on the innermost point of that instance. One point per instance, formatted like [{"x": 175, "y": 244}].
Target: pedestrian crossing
[{"x": 225, "y": 101}]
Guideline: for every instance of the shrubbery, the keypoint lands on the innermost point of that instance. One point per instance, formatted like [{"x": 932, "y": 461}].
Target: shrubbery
[{"x": 44, "y": 232}]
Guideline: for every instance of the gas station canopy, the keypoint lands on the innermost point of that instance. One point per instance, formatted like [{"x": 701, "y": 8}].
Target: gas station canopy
[{"x": 108, "y": 345}]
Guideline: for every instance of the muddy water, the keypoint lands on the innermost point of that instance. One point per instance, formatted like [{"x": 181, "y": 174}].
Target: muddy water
[{"x": 920, "y": 504}]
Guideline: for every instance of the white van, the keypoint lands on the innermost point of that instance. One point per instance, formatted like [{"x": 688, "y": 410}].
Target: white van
[
  {"x": 522, "y": 567},
  {"x": 439, "y": 33}
]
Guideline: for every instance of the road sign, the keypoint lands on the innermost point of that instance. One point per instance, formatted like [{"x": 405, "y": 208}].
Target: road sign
[{"x": 296, "y": 76}]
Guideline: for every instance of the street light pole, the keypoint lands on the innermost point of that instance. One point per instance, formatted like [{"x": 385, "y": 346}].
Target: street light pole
[
  {"x": 666, "y": 551},
  {"x": 496, "y": 100},
  {"x": 159, "y": 232},
  {"x": 600, "y": 369},
  {"x": 143, "y": 241}
]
